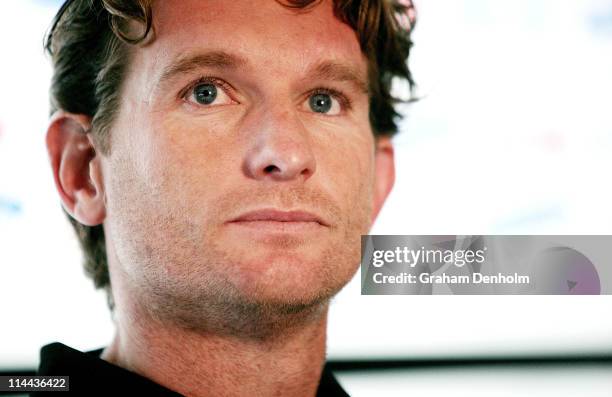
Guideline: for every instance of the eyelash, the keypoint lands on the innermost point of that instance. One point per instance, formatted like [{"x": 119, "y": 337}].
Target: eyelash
[
  {"x": 206, "y": 80},
  {"x": 345, "y": 102}
]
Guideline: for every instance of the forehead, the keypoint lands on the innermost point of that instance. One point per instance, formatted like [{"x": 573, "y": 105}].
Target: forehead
[{"x": 266, "y": 33}]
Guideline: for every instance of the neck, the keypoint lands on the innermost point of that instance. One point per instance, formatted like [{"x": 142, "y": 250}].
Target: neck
[{"x": 197, "y": 362}]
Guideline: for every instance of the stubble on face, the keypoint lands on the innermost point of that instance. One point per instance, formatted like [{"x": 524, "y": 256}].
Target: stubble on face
[
  {"x": 178, "y": 266},
  {"x": 167, "y": 224}
]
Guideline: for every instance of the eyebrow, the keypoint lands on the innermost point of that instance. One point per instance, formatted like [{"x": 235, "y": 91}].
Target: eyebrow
[
  {"x": 218, "y": 59},
  {"x": 210, "y": 59},
  {"x": 335, "y": 71}
]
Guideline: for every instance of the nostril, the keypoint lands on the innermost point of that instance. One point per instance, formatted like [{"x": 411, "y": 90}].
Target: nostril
[{"x": 270, "y": 169}]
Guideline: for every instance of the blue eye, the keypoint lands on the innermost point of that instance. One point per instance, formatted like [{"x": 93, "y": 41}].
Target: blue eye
[
  {"x": 327, "y": 102},
  {"x": 209, "y": 93},
  {"x": 205, "y": 94},
  {"x": 320, "y": 103}
]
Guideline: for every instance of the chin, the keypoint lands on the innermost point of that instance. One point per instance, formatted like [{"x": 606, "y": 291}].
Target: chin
[{"x": 291, "y": 278}]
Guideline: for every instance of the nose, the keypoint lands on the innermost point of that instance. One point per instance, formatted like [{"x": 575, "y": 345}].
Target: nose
[{"x": 279, "y": 148}]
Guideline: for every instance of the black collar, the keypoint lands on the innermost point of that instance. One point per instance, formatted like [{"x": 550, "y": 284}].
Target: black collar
[{"x": 92, "y": 376}]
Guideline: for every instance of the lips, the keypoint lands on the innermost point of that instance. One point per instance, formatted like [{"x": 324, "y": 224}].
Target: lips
[{"x": 273, "y": 215}]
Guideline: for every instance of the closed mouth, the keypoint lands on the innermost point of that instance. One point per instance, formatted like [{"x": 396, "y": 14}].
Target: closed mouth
[{"x": 274, "y": 215}]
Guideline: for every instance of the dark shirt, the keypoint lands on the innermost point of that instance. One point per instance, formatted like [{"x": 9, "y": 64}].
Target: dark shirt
[{"x": 92, "y": 376}]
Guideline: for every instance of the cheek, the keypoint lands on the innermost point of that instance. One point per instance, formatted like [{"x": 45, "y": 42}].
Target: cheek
[
  {"x": 150, "y": 207},
  {"x": 350, "y": 170},
  {"x": 154, "y": 173},
  {"x": 185, "y": 159},
  {"x": 193, "y": 141}
]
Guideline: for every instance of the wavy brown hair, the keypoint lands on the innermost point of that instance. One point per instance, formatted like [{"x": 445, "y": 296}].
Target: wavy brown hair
[{"x": 89, "y": 43}]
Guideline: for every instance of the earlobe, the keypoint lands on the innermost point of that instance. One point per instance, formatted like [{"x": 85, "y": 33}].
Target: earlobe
[
  {"x": 384, "y": 173},
  {"x": 76, "y": 167}
]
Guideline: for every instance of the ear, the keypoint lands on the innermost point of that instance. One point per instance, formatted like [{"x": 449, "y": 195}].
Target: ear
[
  {"x": 384, "y": 173},
  {"x": 76, "y": 167}
]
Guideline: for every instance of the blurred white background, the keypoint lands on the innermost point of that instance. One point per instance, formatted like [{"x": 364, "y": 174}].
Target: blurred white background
[{"x": 513, "y": 136}]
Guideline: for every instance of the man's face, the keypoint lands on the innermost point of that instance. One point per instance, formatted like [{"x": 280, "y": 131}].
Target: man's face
[{"x": 234, "y": 109}]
